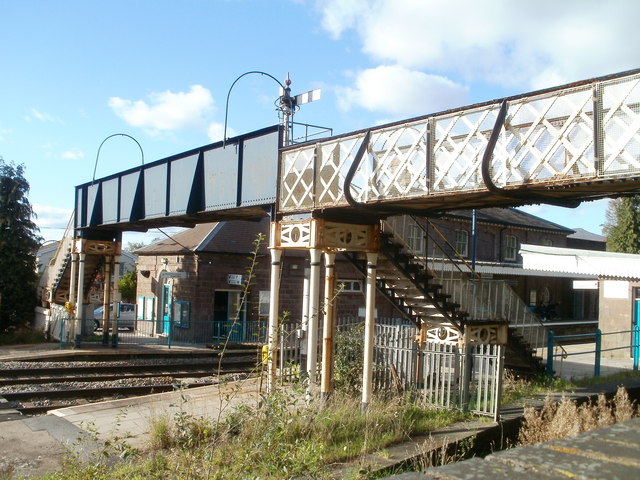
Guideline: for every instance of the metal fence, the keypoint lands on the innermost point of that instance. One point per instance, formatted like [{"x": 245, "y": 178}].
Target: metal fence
[
  {"x": 155, "y": 332},
  {"x": 555, "y": 349}
]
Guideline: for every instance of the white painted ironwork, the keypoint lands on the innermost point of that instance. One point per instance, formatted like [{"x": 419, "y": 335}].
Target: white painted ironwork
[{"x": 576, "y": 134}]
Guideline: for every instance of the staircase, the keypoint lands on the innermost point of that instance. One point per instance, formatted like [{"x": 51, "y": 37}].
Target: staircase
[
  {"x": 443, "y": 290},
  {"x": 54, "y": 284}
]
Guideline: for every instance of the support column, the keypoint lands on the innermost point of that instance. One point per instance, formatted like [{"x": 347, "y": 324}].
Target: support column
[
  {"x": 115, "y": 297},
  {"x": 274, "y": 306},
  {"x": 106, "y": 301},
  {"x": 71, "y": 308},
  {"x": 369, "y": 330},
  {"x": 326, "y": 385},
  {"x": 314, "y": 311},
  {"x": 80, "y": 295}
]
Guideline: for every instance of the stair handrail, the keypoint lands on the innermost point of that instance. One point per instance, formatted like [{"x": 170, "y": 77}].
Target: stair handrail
[
  {"x": 46, "y": 282},
  {"x": 470, "y": 292}
]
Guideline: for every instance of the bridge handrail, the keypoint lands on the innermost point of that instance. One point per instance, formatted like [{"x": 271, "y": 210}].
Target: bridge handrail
[
  {"x": 568, "y": 133},
  {"x": 46, "y": 284}
]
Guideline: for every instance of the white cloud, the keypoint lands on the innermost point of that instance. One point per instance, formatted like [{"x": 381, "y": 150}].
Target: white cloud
[
  {"x": 166, "y": 110},
  {"x": 41, "y": 116},
  {"x": 73, "y": 154},
  {"x": 215, "y": 132},
  {"x": 526, "y": 45},
  {"x": 52, "y": 217},
  {"x": 402, "y": 92}
]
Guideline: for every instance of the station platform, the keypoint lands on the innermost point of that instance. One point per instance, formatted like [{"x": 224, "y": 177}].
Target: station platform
[{"x": 36, "y": 445}]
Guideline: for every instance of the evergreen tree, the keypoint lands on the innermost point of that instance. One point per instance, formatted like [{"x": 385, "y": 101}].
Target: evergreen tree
[
  {"x": 19, "y": 242},
  {"x": 622, "y": 226}
]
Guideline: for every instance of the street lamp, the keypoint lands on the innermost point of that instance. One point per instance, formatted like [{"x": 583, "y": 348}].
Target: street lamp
[{"x": 110, "y": 136}]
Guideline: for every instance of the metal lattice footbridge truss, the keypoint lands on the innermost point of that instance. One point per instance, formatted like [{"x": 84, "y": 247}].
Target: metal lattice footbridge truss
[{"x": 560, "y": 146}]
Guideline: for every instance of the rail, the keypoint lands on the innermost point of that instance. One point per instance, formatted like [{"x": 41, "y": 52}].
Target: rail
[
  {"x": 52, "y": 272},
  {"x": 553, "y": 346}
]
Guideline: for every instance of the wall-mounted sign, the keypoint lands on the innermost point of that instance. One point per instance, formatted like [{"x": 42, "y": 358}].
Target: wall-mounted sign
[
  {"x": 173, "y": 275},
  {"x": 234, "y": 279},
  {"x": 585, "y": 284}
]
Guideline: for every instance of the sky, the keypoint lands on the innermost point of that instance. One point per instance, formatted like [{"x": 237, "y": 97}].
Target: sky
[{"x": 74, "y": 72}]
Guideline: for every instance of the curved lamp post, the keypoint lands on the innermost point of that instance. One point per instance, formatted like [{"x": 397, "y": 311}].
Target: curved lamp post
[
  {"x": 226, "y": 109},
  {"x": 110, "y": 136}
]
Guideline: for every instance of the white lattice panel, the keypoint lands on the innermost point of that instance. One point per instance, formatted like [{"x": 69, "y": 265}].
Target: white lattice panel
[
  {"x": 334, "y": 160},
  {"x": 548, "y": 137},
  {"x": 459, "y": 142},
  {"x": 621, "y": 125},
  {"x": 297, "y": 179}
]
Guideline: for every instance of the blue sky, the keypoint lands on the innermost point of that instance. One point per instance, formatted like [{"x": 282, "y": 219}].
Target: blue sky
[{"x": 76, "y": 71}]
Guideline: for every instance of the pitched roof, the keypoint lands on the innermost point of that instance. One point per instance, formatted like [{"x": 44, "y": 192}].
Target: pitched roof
[
  {"x": 511, "y": 217},
  {"x": 582, "y": 234},
  {"x": 219, "y": 237}
]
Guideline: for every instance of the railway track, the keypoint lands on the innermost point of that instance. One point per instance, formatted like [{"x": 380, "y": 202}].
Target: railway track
[{"x": 35, "y": 389}]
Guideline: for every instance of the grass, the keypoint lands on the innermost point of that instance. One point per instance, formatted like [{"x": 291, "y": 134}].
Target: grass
[
  {"x": 22, "y": 336},
  {"x": 281, "y": 437}
]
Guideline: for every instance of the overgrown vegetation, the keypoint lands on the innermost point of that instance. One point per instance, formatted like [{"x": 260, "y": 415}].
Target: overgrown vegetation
[
  {"x": 23, "y": 335},
  {"x": 280, "y": 437},
  {"x": 567, "y": 419}
]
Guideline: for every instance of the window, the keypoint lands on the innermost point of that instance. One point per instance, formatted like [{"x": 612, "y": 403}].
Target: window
[
  {"x": 462, "y": 242},
  {"x": 510, "y": 247},
  {"x": 415, "y": 238},
  {"x": 547, "y": 242},
  {"x": 182, "y": 313},
  {"x": 351, "y": 285},
  {"x": 264, "y": 300}
]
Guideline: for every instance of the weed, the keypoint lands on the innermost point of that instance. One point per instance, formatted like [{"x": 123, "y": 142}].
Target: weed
[{"x": 566, "y": 418}]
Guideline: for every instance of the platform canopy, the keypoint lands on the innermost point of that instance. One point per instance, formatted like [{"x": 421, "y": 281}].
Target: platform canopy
[{"x": 582, "y": 262}]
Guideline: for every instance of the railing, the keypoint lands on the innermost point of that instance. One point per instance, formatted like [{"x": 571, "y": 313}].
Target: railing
[
  {"x": 556, "y": 350},
  {"x": 576, "y": 133},
  {"x": 482, "y": 299},
  {"x": 50, "y": 275},
  {"x": 157, "y": 332}
]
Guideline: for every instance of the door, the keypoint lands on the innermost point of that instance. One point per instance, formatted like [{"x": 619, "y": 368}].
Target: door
[
  {"x": 166, "y": 308},
  {"x": 228, "y": 321}
]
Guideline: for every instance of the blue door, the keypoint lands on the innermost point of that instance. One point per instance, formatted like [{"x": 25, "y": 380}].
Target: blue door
[
  {"x": 166, "y": 308},
  {"x": 635, "y": 326}
]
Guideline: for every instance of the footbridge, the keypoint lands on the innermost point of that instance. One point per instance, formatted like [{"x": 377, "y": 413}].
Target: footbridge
[{"x": 561, "y": 146}]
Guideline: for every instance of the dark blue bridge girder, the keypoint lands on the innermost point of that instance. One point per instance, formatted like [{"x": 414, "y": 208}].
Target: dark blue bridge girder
[{"x": 237, "y": 181}]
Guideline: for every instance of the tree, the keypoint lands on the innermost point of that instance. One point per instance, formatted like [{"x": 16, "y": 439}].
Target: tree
[
  {"x": 19, "y": 242},
  {"x": 622, "y": 226},
  {"x": 128, "y": 285},
  {"x": 133, "y": 246}
]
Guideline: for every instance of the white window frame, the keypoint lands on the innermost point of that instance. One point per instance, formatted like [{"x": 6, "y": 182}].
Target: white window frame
[
  {"x": 350, "y": 285},
  {"x": 415, "y": 238},
  {"x": 510, "y": 247},
  {"x": 462, "y": 246}
]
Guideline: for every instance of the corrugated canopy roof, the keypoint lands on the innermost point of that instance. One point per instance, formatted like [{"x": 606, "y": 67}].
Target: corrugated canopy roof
[{"x": 576, "y": 261}]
